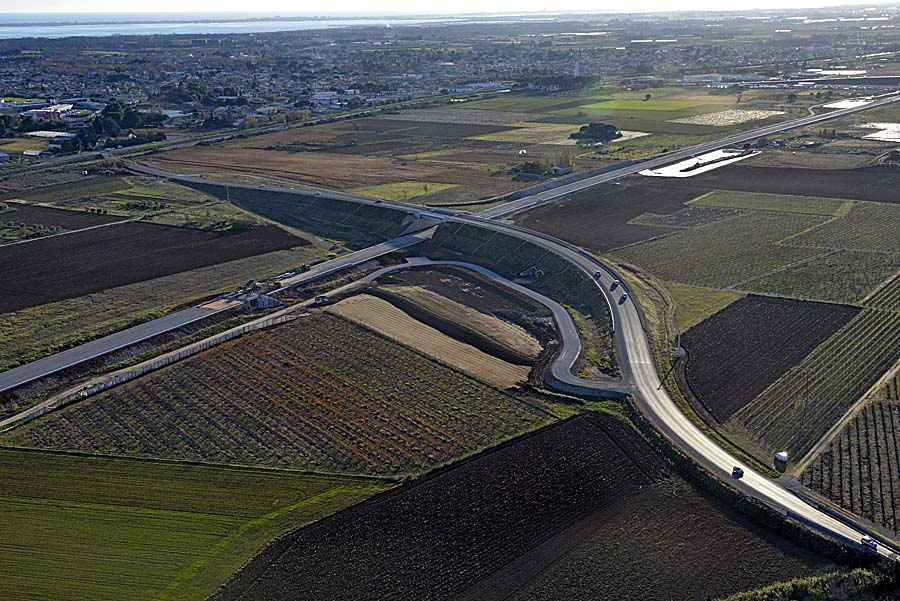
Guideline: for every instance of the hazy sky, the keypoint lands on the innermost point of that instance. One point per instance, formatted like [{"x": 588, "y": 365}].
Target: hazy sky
[{"x": 337, "y": 7}]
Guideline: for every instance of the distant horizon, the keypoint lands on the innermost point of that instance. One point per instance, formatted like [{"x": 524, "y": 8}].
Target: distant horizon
[{"x": 403, "y": 8}]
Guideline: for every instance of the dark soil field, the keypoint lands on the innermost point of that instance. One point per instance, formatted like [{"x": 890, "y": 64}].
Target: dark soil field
[
  {"x": 77, "y": 188},
  {"x": 530, "y": 501},
  {"x": 67, "y": 220},
  {"x": 598, "y": 218},
  {"x": 852, "y": 184},
  {"x": 61, "y": 267},
  {"x": 735, "y": 354}
]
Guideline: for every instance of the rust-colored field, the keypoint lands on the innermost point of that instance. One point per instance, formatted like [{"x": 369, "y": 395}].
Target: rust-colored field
[
  {"x": 319, "y": 393},
  {"x": 387, "y": 319}
]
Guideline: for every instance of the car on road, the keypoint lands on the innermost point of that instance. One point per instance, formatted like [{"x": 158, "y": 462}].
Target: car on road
[
  {"x": 321, "y": 300},
  {"x": 615, "y": 284},
  {"x": 624, "y": 296},
  {"x": 598, "y": 275},
  {"x": 869, "y": 543},
  {"x": 737, "y": 473},
  {"x": 317, "y": 193}
]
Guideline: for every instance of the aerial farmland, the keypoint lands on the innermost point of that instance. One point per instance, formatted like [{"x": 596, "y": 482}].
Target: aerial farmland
[{"x": 453, "y": 308}]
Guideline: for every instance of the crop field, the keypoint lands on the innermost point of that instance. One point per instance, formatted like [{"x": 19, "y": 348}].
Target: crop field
[
  {"x": 693, "y": 305},
  {"x": 484, "y": 331},
  {"x": 860, "y": 468},
  {"x": 64, "y": 191},
  {"x": 20, "y": 221},
  {"x": 844, "y": 184},
  {"x": 779, "y": 203},
  {"x": 468, "y": 116},
  {"x": 533, "y": 133},
  {"x": 799, "y": 408},
  {"x": 388, "y": 320},
  {"x": 845, "y": 276},
  {"x": 600, "y": 218},
  {"x": 29, "y": 334},
  {"x": 725, "y": 253},
  {"x": 142, "y": 530},
  {"x": 61, "y": 267},
  {"x": 891, "y": 390},
  {"x": 624, "y": 540},
  {"x": 488, "y": 135},
  {"x": 139, "y": 197},
  {"x": 689, "y": 216},
  {"x": 402, "y": 191},
  {"x": 735, "y": 354},
  {"x": 489, "y": 526},
  {"x": 728, "y": 118},
  {"x": 887, "y": 297},
  {"x": 867, "y": 227},
  {"x": 383, "y": 156},
  {"x": 319, "y": 393},
  {"x": 350, "y": 224}
]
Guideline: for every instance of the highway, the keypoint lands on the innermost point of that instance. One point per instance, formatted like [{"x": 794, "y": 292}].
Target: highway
[
  {"x": 638, "y": 366},
  {"x": 41, "y": 368},
  {"x": 52, "y": 364},
  {"x": 673, "y": 157},
  {"x": 640, "y": 375}
]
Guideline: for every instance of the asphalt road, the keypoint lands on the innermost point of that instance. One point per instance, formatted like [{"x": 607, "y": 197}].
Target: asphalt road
[
  {"x": 638, "y": 366},
  {"x": 35, "y": 370},
  {"x": 41, "y": 368},
  {"x": 641, "y": 377},
  {"x": 673, "y": 157}
]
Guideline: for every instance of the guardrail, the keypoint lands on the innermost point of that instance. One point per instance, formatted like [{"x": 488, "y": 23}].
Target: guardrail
[{"x": 130, "y": 373}]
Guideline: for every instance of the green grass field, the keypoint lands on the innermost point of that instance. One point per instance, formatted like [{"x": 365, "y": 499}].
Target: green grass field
[
  {"x": 94, "y": 529},
  {"x": 693, "y": 304},
  {"x": 402, "y": 191},
  {"x": 779, "y": 203},
  {"x": 22, "y": 144}
]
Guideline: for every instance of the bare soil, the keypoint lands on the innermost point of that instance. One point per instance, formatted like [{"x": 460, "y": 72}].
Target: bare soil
[
  {"x": 71, "y": 265},
  {"x": 598, "y": 218},
  {"x": 585, "y": 503},
  {"x": 394, "y": 323},
  {"x": 735, "y": 354}
]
